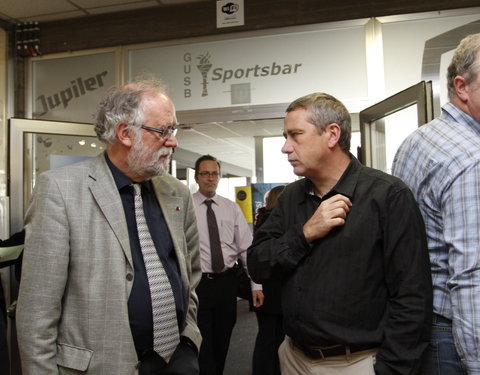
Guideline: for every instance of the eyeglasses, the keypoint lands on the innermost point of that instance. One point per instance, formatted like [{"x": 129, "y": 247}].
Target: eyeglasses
[
  {"x": 210, "y": 174},
  {"x": 165, "y": 133}
]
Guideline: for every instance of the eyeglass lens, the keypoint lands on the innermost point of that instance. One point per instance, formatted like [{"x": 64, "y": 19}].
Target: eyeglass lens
[
  {"x": 164, "y": 133},
  {"x": 212, "y": 174}
]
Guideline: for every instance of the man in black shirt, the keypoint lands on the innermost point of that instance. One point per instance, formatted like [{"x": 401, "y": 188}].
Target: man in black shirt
[{"x": 349, "y": 245}]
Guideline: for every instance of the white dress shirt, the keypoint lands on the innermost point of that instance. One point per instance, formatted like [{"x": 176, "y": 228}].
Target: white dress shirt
[{"x": 235, "y": 234}]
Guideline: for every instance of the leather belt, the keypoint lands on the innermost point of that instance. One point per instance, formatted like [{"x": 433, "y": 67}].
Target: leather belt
[
  {"x": 213, "y": 276},
  {"x": 440, "y": 319},
  {"x": 317, "y": 352}
]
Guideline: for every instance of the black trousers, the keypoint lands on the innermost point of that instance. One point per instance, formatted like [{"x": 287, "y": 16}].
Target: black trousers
[
  {"x": 183, "y": 362},
  {"x": 270, "y": 336},
  {"x": 4, "y": 357},
  {"x": 217, "y": 314}
]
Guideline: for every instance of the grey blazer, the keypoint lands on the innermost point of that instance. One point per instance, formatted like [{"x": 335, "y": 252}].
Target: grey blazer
[{"x": 77, "y": 274}]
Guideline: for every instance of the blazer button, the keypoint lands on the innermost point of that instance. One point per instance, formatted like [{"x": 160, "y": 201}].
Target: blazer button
[{"x": 129, "y": 277}]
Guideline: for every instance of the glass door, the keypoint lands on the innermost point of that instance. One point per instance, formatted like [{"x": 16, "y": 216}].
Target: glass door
[
  {"x": 386, "y": 124},
  {"x": 38, "y": 145}
]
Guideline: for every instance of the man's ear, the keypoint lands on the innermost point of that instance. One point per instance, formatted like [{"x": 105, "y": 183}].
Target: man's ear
[
  {"x": 124, "y": 135},
  {"x": 461, "y": 88},
  {"x": 334, "y": 132}
]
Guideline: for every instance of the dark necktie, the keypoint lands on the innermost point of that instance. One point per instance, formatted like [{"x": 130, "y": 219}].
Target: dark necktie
[
  {"x": 165, "y": 325},
  {"x": 215, "y": 246}
]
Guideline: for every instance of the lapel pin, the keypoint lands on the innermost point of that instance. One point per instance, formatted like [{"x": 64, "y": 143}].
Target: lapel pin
[{"x": 177, "y": 208}]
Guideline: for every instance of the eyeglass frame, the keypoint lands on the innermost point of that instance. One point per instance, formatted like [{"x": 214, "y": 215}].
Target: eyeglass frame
[
  {"x": 209, "y": 174},
  {"x": 165, "y": 133}
]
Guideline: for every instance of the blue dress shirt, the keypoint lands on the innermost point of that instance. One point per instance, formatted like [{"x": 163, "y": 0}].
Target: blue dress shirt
[{"x": 440, "y": 162}]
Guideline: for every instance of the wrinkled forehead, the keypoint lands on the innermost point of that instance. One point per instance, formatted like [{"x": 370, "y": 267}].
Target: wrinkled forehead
[{"x": 158, "y": 104}]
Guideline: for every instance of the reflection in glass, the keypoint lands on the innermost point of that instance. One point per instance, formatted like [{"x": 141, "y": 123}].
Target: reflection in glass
[{"x": 55, "y": 150}]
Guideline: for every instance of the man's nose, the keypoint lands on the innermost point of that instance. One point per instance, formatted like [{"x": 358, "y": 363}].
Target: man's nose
[
  {"x": 287, "y": 148},
  {"x": 171, "y": 141}
]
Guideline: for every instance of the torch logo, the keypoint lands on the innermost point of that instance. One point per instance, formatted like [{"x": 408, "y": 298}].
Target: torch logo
[{"x": 204, "y": 66}]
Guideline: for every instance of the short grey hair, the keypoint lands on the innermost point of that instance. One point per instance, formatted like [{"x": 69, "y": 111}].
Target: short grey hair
[
  {"x": 124, "y": 105},
  {"x": 465, "y": 63},
  {"x": 324, "y": 110}
]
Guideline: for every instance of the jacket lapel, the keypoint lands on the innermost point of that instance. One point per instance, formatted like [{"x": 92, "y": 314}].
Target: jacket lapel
[
  {"x": 105, "y": 193},
  {"x": 173, "y": 210}
]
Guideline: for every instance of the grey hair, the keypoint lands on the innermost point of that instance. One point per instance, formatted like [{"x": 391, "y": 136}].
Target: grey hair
[
  {"x": 124, "y": 105},
  {"x": 465, "y": 63},
  {"x": 325, "y": 109}
]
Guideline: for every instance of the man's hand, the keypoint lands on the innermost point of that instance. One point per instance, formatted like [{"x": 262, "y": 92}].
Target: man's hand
[
  {"x": 257, "y": 298},
  {"x": 331, "y": 213}
]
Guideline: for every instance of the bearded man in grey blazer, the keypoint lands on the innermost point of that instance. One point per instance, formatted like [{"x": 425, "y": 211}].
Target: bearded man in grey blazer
[{"x": 84, "y": 304}]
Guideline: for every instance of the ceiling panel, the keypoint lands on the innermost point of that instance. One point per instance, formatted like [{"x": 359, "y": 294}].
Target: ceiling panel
[
  {"x": 231, "y": 142},
  {"x": 50, "y": 10},
  {"x": 20, "y": 9}
]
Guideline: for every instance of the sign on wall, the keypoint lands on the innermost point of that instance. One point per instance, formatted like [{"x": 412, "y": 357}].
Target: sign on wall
[
  {"x": 243, "y": 198},
  {"x": 69, "y": 88},
  {"x": 258, "y": 70},
  {"x": 230, "y": 13}
]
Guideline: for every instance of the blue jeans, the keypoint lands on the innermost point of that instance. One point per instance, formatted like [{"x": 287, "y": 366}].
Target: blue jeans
[{"x": 441, "y": 357}]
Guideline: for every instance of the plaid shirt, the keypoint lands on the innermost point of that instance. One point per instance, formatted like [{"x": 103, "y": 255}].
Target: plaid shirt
[{"x": 440, "y": 162}]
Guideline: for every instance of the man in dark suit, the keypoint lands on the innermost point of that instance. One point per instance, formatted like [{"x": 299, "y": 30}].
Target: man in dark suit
[
  {"x": 86, "y": 302},
  {"x": 15, "y": 240}
]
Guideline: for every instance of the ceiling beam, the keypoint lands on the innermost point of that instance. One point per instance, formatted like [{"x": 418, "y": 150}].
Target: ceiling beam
[{"x": 199, "y": 19}]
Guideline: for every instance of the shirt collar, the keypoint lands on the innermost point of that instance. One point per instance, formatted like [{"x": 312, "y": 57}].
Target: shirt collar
[
  {"x": 452, "y": 113},
  {"x": 348, "y": 181},
  {"x": 345, "y": 185},
  {"x": 203, "y": 198},
  {"x": 121, "y": 179}
]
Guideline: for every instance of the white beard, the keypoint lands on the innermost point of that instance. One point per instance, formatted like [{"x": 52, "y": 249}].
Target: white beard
[{"x": 147, "y": 163}]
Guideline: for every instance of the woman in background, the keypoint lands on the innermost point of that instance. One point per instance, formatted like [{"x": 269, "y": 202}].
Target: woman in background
[{"x": 269, "y": 315}]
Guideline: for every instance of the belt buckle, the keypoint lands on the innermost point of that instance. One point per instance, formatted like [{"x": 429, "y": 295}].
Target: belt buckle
[
  {"x": 210, "y": 276},
  {"x": 321, "y": 350}
]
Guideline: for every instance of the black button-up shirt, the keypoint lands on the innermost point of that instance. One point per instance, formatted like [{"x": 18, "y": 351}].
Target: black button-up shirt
[
  {"x": 139, "y": 302},
  {"x": 365, "y": 283}
]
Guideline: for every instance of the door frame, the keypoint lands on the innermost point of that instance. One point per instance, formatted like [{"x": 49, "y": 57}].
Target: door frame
[
  {"x": 372, "y": 117},
  {"x": 21, "y": 170}
]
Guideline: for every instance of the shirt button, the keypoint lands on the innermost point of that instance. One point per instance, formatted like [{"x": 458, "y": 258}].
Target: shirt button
[{"x": 129, "y": 277}]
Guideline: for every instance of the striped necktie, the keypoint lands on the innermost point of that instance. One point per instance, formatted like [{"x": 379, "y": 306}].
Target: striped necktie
[{"x": 165, "y": 325}]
